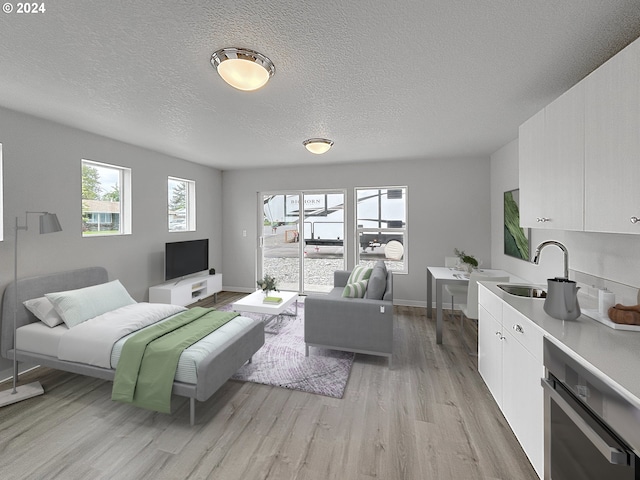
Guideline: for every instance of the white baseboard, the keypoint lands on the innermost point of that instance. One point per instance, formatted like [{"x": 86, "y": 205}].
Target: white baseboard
[
  {"x": 238, "y": 289},
  {"x": 420, "y": 304},
  {"x": 409, "y": 303},
  {"x": 396, "y": 301},
  {"x": 7, "y": 374}
]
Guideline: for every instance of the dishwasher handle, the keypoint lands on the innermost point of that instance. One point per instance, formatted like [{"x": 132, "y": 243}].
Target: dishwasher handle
[{"x": 615, "y": 454}]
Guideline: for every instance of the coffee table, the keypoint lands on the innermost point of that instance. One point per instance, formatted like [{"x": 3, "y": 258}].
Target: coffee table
[{"x": 254, "y": 304}]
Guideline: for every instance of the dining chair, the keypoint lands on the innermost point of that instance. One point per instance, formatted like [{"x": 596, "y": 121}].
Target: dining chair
[
  {"x": 452, "y": 289},
  {"x": 470, "y": 310}
]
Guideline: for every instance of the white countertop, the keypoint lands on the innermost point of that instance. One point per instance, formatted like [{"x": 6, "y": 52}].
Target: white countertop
[{"x": 609, "y": 353}]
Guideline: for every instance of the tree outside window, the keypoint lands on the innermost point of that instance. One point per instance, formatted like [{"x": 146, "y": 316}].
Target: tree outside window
[
  {"x": 181, "y": 204},
  {"x": 104, "y": 187}
]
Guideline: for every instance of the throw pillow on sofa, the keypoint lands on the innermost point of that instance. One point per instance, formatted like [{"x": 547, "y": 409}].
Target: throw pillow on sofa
[
  {"x": 355, "y": 290},
  {"x": 359, "y": 273},
  {"x": 377, "y": 281}
]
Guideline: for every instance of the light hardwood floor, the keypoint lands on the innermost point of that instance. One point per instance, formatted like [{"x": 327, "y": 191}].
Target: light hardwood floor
[{"x": 431, "y": 417}]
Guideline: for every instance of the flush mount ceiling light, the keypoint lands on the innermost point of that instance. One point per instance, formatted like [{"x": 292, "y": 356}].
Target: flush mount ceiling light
[
  {"x": 318, "y": 145},
  {"x": 242, "y": 68}
]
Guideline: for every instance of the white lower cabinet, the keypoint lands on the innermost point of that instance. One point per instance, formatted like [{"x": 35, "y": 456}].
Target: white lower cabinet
[
  {"x": 522, "y": 398},
  {"x": 510, "y": 363},
  {"x": 490, "y": 353}
]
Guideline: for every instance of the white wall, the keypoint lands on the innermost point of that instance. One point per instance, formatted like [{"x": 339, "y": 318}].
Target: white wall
[
  {"x": 449, "y": 206},
  {"x": 42, "y": 172},
  {"x": 594, "y": 258}
]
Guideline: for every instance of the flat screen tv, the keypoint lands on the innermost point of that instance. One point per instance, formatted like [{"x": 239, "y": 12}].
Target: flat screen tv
[{"x": 184, "y": 258}]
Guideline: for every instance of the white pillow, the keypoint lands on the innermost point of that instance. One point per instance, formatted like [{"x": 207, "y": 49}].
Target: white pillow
[
  {"x": 77, "y": 306},
  {"x": 43, "y": 309}
]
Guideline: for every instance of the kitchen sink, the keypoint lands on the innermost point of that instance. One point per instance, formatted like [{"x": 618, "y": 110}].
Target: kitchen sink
[{"x": 524, "y": 290}]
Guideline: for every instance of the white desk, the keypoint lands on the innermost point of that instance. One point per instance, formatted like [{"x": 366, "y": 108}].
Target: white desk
[{"x": 448, "y": 275}]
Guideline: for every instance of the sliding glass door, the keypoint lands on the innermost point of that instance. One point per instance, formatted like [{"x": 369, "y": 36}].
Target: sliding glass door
[
  {"x": 280, "y": 241},
  {"x": 302, "y": 240},
  {"x": 323, "y": 239}
]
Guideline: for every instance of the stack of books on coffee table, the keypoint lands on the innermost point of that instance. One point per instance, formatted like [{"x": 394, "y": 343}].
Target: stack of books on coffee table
[{"x": 274, "y": 300}]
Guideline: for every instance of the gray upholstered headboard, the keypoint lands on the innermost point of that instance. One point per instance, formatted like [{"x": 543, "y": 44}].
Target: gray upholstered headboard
[{"x": 34, "y": 287}]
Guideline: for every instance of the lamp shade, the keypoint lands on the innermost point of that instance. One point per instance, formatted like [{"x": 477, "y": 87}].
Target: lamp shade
[
  {"x": 242, "y": 68},
  {"x": 317, "y": 145},
  {"x": 49, "y": 223}
]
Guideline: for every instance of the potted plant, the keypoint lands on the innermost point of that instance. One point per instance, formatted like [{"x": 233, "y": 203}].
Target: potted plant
[
  {"x": 268, "y": 284},
  {"x": 467, "y": 262}
]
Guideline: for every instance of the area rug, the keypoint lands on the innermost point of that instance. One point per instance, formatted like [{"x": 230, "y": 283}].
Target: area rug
[{"x": 281, "y": 361}]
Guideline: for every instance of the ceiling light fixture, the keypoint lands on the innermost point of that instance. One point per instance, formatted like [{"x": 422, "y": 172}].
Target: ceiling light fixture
[
  {"x": 318, "y": 145},
  {"x": 242, "y": 68}
]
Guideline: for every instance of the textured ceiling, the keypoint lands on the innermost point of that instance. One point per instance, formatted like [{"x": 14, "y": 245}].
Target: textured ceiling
[{"x": 384, "y": 79}]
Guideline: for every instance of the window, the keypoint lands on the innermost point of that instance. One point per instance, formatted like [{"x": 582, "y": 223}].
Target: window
[
  {"x": 106, "y": 204},
  {"x": 181, "y": 205},
  {"x": 1, "y": 197},
  {"x": 381, "y": 232}
]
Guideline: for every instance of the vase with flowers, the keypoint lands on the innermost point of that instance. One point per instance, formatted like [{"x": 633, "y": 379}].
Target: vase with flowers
[
  {"x": 467, "y": 262},
  {"x": 268, "y": 284}
]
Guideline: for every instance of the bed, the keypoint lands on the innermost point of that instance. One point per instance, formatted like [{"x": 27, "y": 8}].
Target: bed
[{"x": 229, "y": 347}]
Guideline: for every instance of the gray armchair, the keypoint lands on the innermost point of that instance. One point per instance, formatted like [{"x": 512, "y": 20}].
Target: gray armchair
[{"x": 361, "y": 325}]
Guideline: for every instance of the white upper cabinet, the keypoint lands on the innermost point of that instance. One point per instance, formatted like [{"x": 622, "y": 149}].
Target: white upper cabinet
[
  {"x": 580, "y": 156},
  {"x": 531, "y": 179},
  {"x": 552, "y": 165},
  {"x": 612, "y": 144}
]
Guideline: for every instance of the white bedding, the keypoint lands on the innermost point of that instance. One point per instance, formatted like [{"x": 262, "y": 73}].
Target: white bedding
[
  {"x": 91, "y": 342},
  {"x": 187, "y": 370},
  {"x": 39, "y": 338}
]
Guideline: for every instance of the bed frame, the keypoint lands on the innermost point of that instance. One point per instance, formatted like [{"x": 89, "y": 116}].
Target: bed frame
[{"x": 212, "y": 372}]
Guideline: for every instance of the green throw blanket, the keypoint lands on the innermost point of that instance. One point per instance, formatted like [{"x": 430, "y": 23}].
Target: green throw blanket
[{"x": 147, "y": 366}]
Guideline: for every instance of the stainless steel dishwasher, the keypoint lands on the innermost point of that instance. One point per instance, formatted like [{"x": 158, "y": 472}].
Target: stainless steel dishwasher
[{"x": 591, "y": 430}]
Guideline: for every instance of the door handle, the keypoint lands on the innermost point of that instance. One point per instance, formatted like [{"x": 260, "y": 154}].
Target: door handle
[{"x": 615, "y": 454}]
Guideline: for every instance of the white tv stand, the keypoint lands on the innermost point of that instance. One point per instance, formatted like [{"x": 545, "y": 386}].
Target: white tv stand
[{"x": 186, "y": 291}]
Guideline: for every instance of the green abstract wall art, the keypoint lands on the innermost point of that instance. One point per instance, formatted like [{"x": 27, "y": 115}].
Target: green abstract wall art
[{"x": 516, "y": 238}]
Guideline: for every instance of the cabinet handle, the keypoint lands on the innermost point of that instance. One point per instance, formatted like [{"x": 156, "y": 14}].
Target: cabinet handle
[
  {"x": 614, "y": 452},
  {"x": 500, "y": 335},
  {"x": 542, "y": 219},
  {"x": 518, "y": 328},
  {"x": 634, "y": 219}
]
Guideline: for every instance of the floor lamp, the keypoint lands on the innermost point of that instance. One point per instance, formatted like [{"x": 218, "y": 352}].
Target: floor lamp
[{"x": 48, "y": 224}]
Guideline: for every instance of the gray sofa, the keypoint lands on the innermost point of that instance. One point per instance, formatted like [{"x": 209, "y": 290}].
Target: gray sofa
[{"x": 361, "y": 325}]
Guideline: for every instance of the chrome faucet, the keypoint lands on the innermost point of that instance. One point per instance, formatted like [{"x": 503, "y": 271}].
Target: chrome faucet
[{"x": 536, "y": 255}]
